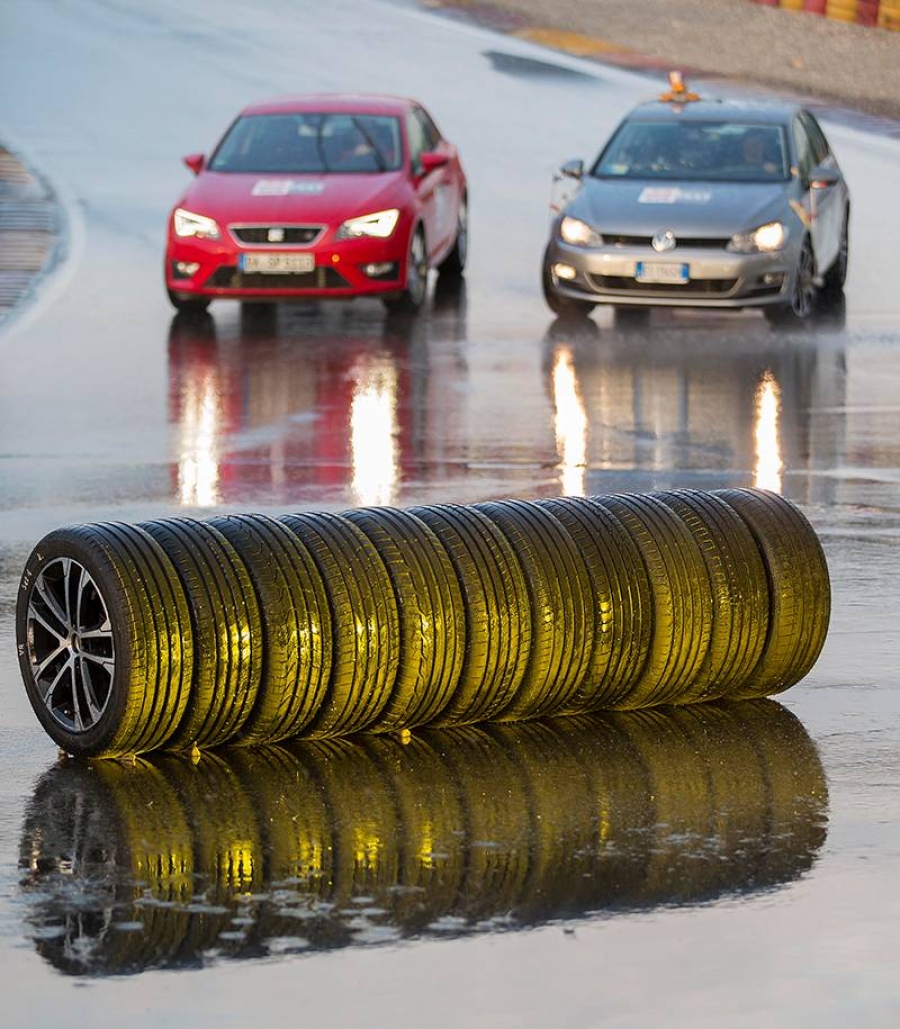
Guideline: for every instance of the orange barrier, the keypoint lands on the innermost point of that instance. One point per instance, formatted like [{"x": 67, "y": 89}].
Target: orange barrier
[{"x": 883, "y": 14}]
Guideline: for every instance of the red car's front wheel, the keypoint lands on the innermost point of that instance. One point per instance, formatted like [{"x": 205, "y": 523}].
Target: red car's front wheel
[{"x": 413, "y": 295}]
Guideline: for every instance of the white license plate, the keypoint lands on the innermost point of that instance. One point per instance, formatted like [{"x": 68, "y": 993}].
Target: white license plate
[
  {"x": 661, "y": 271},
  {"x": 278, "y": 264}
]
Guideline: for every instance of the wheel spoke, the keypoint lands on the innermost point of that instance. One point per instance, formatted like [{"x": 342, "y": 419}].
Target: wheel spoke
[
  {"x": 39, "y": 617},
  {"x": 53, "y": 604},
  {"x": 51, "y": 689},
  {"x": 103, "y": 632},
  {"x": 82, "y": 575},
  {"x": 49, "y": 659},
  {"x": 109, "y": 663},
  {"x": 67, "y": 588},
  {"x": 90, "y": 696}
]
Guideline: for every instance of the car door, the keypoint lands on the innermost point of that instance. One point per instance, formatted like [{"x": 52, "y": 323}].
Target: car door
[
  {"x": 822, "y": 203},
  {"x": 830, "y": 201},
  {"x": 433, "y": 187}
]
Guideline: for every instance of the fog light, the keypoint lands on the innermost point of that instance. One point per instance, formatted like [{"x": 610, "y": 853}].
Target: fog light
[
  {"x": 564, "y": 271},
  {"x": 381, "y": 270},
  {"x": 185, "y": 269},
  {"x": 773, "y": 278}
]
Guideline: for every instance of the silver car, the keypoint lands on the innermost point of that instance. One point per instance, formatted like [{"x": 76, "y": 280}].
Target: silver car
[{"x": 703, "y": 203}]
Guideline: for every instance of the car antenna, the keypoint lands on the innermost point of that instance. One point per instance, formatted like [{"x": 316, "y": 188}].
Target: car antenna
[{"x": 678, "y": 93}]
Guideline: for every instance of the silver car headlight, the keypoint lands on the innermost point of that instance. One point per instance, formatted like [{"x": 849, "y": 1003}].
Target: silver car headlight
[
  {"x": 765, "y": 240},
  {"x": 380, "y": 225},
  {"x": 578, "y": 233},
  {"x": 186, "y": 223}
]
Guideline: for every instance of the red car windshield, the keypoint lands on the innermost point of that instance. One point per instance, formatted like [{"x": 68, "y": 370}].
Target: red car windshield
[
  {"x": 310, "y": 143},
  {"x": 708, "y": 151}
]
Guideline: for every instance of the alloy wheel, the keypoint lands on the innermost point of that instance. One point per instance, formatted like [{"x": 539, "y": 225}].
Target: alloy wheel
[{"x": 70, "y": 644}]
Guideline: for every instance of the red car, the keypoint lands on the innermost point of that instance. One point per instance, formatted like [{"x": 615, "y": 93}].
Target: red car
[{"x": 320, "y": 196}]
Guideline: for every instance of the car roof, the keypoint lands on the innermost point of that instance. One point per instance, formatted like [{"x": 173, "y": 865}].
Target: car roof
[
  {"x": 333, "y": 103},
  {"x": 772, "y": 112}
]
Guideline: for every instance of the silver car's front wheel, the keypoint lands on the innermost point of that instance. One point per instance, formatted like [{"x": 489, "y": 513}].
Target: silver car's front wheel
[{"x": 803, "y": 291}]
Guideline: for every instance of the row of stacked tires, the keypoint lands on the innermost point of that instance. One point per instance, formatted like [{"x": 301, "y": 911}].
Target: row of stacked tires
[
  {"x": 333, "y": 843},
  {"x": 185, "y": 633}
]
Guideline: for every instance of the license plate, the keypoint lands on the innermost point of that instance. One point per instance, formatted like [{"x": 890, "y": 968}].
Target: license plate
[
  {"x": 278, "y": 264},
  {"x": 660, "y": 271}
]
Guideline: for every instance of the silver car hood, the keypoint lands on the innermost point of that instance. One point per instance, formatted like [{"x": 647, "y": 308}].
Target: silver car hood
[{"x": 642, "y": 207}]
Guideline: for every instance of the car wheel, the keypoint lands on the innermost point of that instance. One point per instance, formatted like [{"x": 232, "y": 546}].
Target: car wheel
[
  {"x": 454, "y": 264},
  {"x": 803, "y": 292},
  {"x": 562, "y": 307},
  {"x": 836, "y": 276},
  {"x": 413, "y": 296},
  {"x": 187, "y": 304},
  {"x": 105, "y": 642}
]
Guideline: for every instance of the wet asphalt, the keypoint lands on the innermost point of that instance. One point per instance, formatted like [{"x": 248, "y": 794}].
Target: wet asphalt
[{"x": 111, "y": 407}]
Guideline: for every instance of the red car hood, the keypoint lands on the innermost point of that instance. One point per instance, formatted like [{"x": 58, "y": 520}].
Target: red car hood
[{"x": 284, "y": 198}]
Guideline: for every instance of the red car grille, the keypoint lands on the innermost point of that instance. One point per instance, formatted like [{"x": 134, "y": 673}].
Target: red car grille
[
  {"x": 292, "y": 235},
  {"x": 320, "y": 278}
]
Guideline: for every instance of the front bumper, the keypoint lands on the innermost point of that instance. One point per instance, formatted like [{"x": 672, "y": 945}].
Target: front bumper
[
  {"x": 339, "y": 269},
  {"x": 716, "y": 277}
]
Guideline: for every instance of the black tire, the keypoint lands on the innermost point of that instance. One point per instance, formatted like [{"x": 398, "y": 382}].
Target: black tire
[
  {"x": 498, "y": 617},
  {"x": 454, "y": 264},
  {"x": 296, "y": 621},
  {"x": 626, "y": 627},
  {"x": 799, "y": 307},
  {"x": 227, "y": 629},
  {"x": 740, "y": 598},
  {"x": 364, "y": 618},
  {"x": 834, "y": 279},
  {"x": 682, "y": 599},
  {"x": 562, "y": 616},
  {"x": 799, "y": 590},
  {"x": 116, "y": 640},
  {"x": 187, "y": 304},
  {"x": 412, "y": 297},
  {"x": 432, "y": 618},
  {"x": 563, "y": 307}
]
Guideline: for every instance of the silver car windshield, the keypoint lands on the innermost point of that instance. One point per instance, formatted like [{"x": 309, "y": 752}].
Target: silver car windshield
[
  {"x": 309, "y": 143},
  {"x": 713, "y": 151}
]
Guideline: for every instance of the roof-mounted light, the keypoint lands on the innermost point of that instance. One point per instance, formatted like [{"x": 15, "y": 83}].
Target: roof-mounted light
[{"x": 678, "y": 92}]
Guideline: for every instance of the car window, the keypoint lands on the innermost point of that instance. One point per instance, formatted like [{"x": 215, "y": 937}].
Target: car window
[
  {"x": 714, "y": 151},
  {"x": 432, "y": 134},
  {"x": 310, "y": 142},
  {"x": 803, "y": 146},
  {"x": 418, "y": 141},
  {"x": 819, "y": 144}
]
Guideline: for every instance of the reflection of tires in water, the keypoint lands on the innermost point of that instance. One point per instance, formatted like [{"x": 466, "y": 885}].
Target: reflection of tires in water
[
  {"x": 324, "y": 844},
  {"x": 105, "y": 643}
]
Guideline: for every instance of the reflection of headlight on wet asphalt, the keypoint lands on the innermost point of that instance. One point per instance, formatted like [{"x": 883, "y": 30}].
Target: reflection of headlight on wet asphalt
[
  {"x": 769, "y": 464},
  {"x": 198, "y": 461},
  {"x": 374, "y": 430},
  {"x": 156, "y": 863},
  {"x": 571, "y": 425}
]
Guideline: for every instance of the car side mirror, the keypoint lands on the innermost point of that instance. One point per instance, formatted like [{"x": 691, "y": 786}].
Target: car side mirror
[
  {"x": 821, "y": 177},
  {"x": 573, "y": 169},
  {"x": 195, "y": 162},
  {"x": 432, "y": 159}
]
